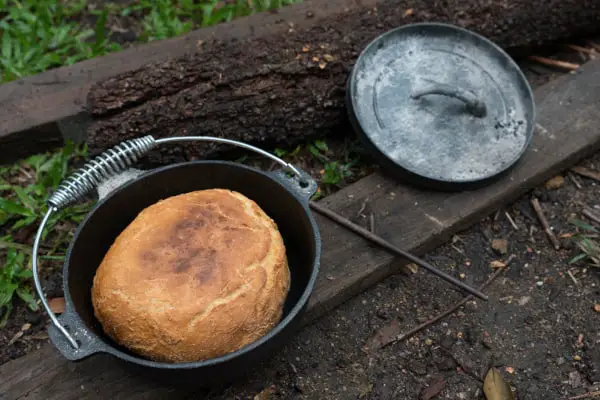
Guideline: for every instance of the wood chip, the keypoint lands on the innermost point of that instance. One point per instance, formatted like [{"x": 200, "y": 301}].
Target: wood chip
[
  {"x": 57, "y": 305},
  {"x": 500, "y": 245},
  {"x": 588, "y": 173},
  {"x": 497, "y": 264},
  {"x": 555, "y": 183}
]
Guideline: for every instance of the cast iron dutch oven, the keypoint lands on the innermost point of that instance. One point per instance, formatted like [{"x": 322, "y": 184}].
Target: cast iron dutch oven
[
  {"x": 283, "y": 195},
  {"x": 440, "y": 106}
]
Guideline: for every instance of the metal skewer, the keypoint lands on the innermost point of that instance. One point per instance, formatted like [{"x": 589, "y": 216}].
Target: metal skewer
[{"x": 393, "y": 249}]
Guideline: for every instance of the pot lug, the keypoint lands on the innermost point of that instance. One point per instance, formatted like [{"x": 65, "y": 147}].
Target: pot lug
[
  {"x": 88, "y": 343},
  {"x": 305, "y": 187}
]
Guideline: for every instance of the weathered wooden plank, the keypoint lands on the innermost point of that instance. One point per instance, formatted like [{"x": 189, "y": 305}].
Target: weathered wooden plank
[
  {"x": 569, "y": 112},
  {"x": 231, "y": 89}
]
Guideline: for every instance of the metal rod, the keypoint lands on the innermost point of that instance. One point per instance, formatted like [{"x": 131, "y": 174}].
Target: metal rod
[
  {"x": 393, "y": 249},
  {"x": 38, "y": 283}
]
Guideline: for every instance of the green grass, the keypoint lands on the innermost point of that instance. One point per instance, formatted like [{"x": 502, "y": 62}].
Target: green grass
[
  {"x": 24, "y": 189},
  {"x": 586, "y": 242},
  {"x": 38, "y": 35}
]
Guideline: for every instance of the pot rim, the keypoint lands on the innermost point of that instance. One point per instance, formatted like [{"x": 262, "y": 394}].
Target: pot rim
[{"x": 293, "y": 314}]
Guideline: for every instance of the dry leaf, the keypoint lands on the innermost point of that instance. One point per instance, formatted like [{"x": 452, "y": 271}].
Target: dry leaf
[
  {"x": 412, "y": 267},
  {"x": 408, "y": 12},
  {"x": 306, "y": 48},
  {"x": 433, "y": 390},
  {"x": 57, "y": 305},
  {"x": 495, "y": 387},
  {"x": 322, "y": 65},
  {"x": 26, "y": 326},
  {"x": 555, "y": 183},
  {"x": 17, "y": 336},
  {"x": 383, "y": 336},
  {"x": 328, "y": 57},
  {"x": 497, "y": 264},
  {"x": 315, "y": 59},
  {"x": 500, "y": 245}
]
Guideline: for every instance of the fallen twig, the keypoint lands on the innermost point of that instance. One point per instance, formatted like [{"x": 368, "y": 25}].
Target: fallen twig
[
  {"x": 588, "y": 395},
  {"x": 589, "y": 213},
  {"x": 581, "y": 49},
  {"x": 540, "y": 214},
  {"x": 512, "y": 221},
  {"x": 588, "y": 173},
  {"x": 372, "y": 223},
  {"x": 575, "y": 281},
  {"x": 575, "y": 180},
  {"x": 365, "y": 234},
  {"x": 362, "y": 208},
  {"x": 445, "y": 313},
  {"x": 555, "y": 63},
  {"x": 594, "y": 45}
]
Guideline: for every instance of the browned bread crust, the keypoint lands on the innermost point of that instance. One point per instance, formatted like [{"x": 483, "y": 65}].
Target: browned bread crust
[{"x": 193, "y": 277}]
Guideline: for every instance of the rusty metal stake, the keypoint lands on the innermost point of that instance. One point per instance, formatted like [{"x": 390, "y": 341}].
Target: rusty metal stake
[{"x": 393, "y": 249}]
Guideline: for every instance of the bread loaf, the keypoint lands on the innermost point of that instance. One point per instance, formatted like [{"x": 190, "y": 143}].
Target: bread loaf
[{"x": 193, "y": 277}]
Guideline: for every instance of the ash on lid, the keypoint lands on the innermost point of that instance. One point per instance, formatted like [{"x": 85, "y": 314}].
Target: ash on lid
[{"x": 435, "y": 136}]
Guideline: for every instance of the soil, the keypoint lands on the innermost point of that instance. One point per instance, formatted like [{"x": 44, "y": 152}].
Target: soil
[{"x": 539, "y": 327}]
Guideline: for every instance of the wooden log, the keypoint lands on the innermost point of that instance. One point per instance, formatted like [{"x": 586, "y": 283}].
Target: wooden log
[
  {"x": 289, "y": 81},
  {"x": 414, "y": 220}
]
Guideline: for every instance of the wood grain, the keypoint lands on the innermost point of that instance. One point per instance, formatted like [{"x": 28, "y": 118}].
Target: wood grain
[{"x": 569, "y": 113}]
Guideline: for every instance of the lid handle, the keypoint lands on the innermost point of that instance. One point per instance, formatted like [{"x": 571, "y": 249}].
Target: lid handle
[{"x": 473, "y": 104}]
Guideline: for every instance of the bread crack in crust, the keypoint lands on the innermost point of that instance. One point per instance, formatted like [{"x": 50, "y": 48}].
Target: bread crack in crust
[{"x": 193, "y": 277}]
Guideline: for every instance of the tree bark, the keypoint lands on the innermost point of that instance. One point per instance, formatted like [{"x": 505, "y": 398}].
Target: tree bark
[{"x": 288, "y": 81}]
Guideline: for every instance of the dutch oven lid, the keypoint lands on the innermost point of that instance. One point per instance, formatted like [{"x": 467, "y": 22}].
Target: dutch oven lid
[{"x": 441, "y": 102}]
